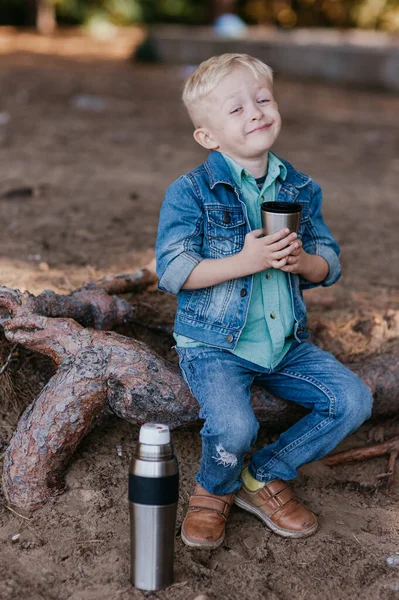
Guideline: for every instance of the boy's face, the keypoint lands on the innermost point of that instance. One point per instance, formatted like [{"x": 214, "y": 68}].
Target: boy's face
[{"x": 241, "y": 117}]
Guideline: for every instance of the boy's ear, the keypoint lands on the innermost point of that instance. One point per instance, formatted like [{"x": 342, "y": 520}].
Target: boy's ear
[{"x": 204, "y": 138}]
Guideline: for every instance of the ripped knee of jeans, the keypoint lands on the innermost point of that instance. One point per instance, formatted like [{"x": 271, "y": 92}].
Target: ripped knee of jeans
[{"x": 227, "y": 459}]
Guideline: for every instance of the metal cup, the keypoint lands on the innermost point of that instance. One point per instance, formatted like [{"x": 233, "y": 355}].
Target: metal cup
[{"x": 279, "y": 215}]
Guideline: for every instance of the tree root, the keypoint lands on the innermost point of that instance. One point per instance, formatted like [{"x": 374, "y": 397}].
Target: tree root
[
  {"x": 99, "y": 371},
  {"x": 91, "y": 305},
  {"x": 124, "y": 283}
]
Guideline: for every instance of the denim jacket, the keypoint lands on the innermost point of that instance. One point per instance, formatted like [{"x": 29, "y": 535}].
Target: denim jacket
[{"x": 204, "y": 216}]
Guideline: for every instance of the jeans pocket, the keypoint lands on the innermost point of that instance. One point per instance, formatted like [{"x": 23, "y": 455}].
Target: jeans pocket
[
  {"x": 191, "y": 353},
  {"x": 185, "y": 369}
]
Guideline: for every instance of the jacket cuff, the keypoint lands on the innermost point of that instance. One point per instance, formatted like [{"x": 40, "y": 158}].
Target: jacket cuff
[
  {"x": 178, "y": 271},
  {"x": 334, "y": 269},
  {"x": 334, "y": 264}
]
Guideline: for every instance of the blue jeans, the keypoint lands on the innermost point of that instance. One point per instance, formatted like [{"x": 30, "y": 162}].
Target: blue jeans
[{"x": 220, "y": 381}]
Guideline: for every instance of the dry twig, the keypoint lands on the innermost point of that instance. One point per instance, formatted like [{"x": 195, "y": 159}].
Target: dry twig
[
  {"x": 390, "y": 447},
  {"x": 8, "y": 359}
]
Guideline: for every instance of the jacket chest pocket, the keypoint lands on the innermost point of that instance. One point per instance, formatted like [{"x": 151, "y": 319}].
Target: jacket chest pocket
[{"x": 225, "y": 230}]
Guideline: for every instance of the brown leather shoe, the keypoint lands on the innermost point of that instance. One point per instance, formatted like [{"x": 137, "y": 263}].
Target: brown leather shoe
[
  {"x": 204, "y": 525},
  {"x": 276, "y": 505}
]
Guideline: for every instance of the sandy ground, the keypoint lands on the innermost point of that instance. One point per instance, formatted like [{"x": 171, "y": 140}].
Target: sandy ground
[{"x": 81, "y": 183}]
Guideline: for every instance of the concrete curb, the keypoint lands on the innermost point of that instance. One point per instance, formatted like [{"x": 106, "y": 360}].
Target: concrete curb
[{"x": 354, "y": 57}]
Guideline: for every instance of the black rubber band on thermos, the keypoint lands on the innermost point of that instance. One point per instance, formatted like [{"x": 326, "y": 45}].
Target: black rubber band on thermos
[{"x": 153, "y": 491}]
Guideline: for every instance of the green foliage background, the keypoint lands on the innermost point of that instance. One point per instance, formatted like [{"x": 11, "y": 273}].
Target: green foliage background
[{"x": 369, "y": 14}]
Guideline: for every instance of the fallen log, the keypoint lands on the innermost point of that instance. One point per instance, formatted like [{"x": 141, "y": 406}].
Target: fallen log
[{"x": 102, "y": 371}]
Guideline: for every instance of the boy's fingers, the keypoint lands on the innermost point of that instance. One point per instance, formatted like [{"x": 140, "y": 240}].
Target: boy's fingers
[
  {"x": 282, "y": 253},
  {"x": 277, "y": 264},
  {"x": 273, "y": 237},
  {"x": 282, "y": 243},
  {"x": 256, "y": 233},
  {"x": 276, "y": 237},
  {"x": 298, "y": 244},
  {"x": 296, "y": 251}
]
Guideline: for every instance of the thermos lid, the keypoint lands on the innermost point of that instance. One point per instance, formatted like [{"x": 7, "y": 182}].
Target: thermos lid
[{"x": 154, "y": 434}]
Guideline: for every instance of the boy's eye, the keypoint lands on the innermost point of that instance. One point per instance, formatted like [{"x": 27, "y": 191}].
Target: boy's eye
[
  {"x": 235, "y": 110},
  {"x": 264, "y": 100}
]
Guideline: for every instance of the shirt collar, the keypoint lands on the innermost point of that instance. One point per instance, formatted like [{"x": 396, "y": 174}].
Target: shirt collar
[
  {"x": 218, "y": 172},
  {"x": 275, "y": 169}
]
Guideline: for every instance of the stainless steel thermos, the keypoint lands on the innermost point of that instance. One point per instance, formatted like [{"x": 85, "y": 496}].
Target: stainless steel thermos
[{"x": 153, "y": 496}]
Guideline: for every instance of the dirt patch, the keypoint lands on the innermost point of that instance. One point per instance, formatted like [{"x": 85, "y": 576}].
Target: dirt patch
[{"x": 87, "y": 151}]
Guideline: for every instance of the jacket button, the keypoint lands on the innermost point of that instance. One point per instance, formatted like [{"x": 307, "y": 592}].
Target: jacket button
[
  {"x": 229, "y": 338},
  {"x": 226, "y": 217},
  {"x": 273, "y": 315},
  {"x": 243, "y": 292}
]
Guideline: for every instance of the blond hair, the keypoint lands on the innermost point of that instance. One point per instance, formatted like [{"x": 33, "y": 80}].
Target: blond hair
[{"x": 210, "y": 72}]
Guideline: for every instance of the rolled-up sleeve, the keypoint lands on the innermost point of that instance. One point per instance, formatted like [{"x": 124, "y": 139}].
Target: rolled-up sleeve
[
  {"x": 180, "y": 236},
  {"x": 317, "y": 239}
]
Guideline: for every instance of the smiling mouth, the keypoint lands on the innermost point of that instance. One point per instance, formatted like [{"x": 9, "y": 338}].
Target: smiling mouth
[{"x": 261, "y": 128}]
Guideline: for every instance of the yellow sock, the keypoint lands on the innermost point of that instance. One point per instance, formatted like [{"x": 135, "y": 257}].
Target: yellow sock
[{"x": 250, "y": 483}]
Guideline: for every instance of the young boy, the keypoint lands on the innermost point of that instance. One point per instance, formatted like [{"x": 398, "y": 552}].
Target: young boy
[{"x": 241, "y": 318}]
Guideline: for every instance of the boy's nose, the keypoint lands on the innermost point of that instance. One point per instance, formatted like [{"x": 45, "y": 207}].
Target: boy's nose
[{"x": 256, "y": 113}]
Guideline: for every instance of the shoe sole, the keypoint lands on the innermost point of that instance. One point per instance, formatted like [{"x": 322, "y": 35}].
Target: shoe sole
[
  {"x": 203, "y": 545},
  {"x": 275, "y": 528}
]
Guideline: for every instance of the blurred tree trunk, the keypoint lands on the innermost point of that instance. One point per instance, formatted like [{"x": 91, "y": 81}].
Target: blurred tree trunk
[{"x": 41, "y": 15}]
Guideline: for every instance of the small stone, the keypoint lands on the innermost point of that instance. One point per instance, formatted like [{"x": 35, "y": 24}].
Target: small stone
[
  {"x": 213, "y": 564},
  {"x": 393, "y": 561},
  {"x": 85, "y": 235},
  {"x": 201, "y": 597},
  {"x": 250, "y": 542},
  {"x": 15, "y": 538},
  {"x": 4, "y": 118},
  {"x": 88, "y": 102},
  {"x": 43, "y": 266}
]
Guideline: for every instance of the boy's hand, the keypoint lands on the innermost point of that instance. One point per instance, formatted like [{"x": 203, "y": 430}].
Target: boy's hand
[
  {"x": 297, "y": 261},
  {"x": 260, "y": 253},
  {"x": 310, "y": 266}
]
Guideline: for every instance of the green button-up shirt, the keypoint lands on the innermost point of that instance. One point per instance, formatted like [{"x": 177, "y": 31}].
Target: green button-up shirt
[{"x": 269, "y": 329}]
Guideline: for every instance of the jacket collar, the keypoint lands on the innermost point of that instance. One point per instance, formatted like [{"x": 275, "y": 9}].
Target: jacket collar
[{"x": 219, "y": 172}]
